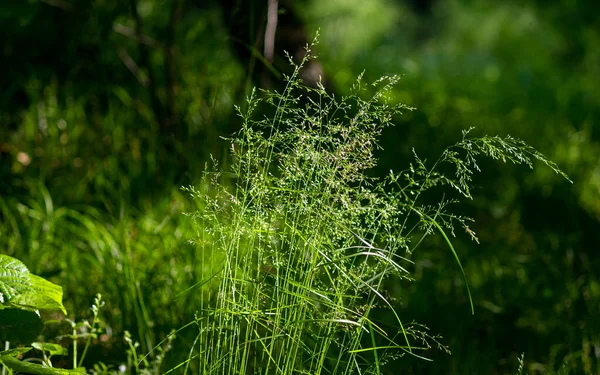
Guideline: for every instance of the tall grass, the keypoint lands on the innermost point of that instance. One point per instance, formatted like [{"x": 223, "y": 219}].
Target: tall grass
[
  {"x": 300, "y": 242},
  {"x": 138, "y": 259}
]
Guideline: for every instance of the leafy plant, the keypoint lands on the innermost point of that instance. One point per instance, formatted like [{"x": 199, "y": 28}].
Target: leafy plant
[
  {"x": 22, "y": 296},
  {"x": 303, "y": 243},
  {"x": 23, "y": 290}
]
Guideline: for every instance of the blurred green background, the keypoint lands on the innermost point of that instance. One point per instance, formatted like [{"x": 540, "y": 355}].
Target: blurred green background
[{"x": 108, "y": 107}]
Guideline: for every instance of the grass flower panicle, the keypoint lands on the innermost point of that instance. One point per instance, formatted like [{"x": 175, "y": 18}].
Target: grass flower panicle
[{"x": 302, "y": 242}]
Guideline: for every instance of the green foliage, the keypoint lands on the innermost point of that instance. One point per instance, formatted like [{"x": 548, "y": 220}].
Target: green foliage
[
  {"x": 524, "y": 68},
  {"x": 521, "y": 360},
  {"x": 24, "y": 294},
  {"x": 23, "y": 290},
  {"x": 13, "y": 327},
  {"x": 10, "y": 360},
  {"x": 124, "y": 258},
  {"x": 91, "y": 162},
  {"x": 306, "y": 242}
]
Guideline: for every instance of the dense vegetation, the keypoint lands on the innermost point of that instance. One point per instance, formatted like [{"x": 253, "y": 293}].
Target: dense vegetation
[{"x": 109, "y": 108}]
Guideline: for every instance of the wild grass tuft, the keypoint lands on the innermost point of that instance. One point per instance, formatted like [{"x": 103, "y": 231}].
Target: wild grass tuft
[{"x": 299, "y": 239}]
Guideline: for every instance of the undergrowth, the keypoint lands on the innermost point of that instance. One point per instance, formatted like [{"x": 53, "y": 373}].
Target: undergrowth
[
  {"x": 137, "y": 258},
  {"x": 300, "y": 238}
]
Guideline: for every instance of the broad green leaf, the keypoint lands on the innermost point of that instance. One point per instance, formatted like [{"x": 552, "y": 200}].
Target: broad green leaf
[
  {"x": 51, "y": 349},
  {"x": 15, "y": 352},
  {"x": 19, "y": 326},
  {"x": 21, "y": 289},
  {"x": 14, "y": 278},
  {"x": 41, "y": 295},
  {"x": 33, "y": 368}
]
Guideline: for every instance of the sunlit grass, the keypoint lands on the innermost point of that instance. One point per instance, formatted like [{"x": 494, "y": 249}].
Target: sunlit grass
[{"x": 300, "y": 239}]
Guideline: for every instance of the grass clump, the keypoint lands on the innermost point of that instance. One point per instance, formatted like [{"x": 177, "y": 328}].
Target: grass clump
[{"x": 302, "y": 242}]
